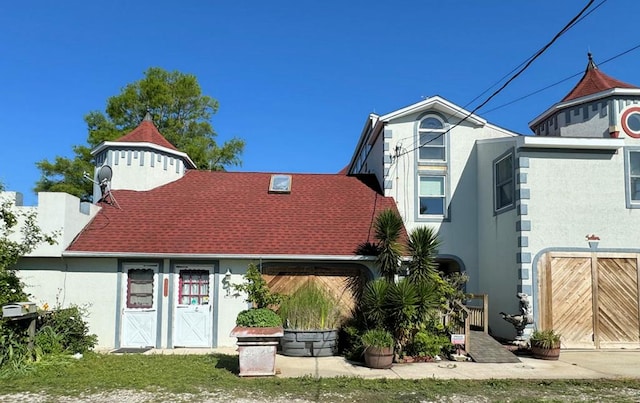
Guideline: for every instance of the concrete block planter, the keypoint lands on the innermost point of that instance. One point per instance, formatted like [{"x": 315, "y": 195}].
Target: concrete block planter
[
  {"x": 257, "y": 349},
  {"x": 309, "y": 343}
]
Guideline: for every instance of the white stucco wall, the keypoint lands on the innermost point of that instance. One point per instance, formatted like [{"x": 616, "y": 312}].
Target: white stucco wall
[
  {"x": 56, "y": 212},
  {"x": 138, "y": 169},
  {"x": 497, "y": 241},
  {"x": 88, "y": 283},
  {"x": 458, "y": 233}
]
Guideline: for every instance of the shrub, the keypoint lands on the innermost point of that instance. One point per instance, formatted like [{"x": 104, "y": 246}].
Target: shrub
[
  {"x": 427, "y": 344},
  {"x": 310, "y": 308},
  {"x": 257, "y": 290},
  {"x": 545, "y": 339},
  {"x": 67, "y": 327},
  {"x": 258, "y": 317},
  {"x": 379, "y": 338},
  {"x": 13, "y": 343}
]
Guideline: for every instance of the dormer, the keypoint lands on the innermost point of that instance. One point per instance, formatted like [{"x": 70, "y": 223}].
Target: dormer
[
  {"x": 595, "y": 107},
  {"x": 140, "y": 160}
]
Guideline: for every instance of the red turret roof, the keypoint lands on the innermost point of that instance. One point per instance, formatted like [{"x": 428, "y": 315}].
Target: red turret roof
[
  {"x": 146, "y": 132},
  {"x": 594, "y": 81},
  {"x": 233, "y": 213}
]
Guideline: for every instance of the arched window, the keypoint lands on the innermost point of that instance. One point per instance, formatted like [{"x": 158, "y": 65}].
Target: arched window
[{"x": 432, "y": 140}]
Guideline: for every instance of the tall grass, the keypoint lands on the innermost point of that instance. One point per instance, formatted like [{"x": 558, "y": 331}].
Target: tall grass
[{"x": 310, "y": 308}]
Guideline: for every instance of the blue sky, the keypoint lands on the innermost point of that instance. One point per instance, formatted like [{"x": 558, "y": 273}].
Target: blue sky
[{"x": 295, "y": 79}]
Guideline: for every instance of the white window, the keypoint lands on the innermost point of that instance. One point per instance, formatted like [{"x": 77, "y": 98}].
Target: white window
[
  {"x": 140, "y": 288},
  {"x": 633, "y": 178},
  {"x": 431, "y": 134},
  {"x": 503, "y": 180},
  {"x": 432, "y": 195}
]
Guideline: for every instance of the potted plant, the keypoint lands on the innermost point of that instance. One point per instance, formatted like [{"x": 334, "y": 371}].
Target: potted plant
[
  {"x": 378, "y": 348},
  {"x": 545, "y": 344},
  {"x": 258, "y": 329},
  {"x": 311, "y": 318}
]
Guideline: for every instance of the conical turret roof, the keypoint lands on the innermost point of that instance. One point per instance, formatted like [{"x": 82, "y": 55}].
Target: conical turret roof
[
  {"x": 594, "y": 81},
  {"x": 146, "y": 132}
]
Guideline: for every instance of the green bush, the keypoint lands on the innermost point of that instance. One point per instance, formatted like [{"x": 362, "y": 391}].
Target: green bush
[
  {"x": 68, "y": 328},
  {"x": 427, "y": 344},
  {"x": 258, "y": 317},
  {"x": 379, "y": 338},
  {"x": 13, "y": 343}
]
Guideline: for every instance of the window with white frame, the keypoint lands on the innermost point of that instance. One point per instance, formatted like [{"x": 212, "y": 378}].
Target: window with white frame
[
  {"x": 140, "y": 288},
  {"x": 431, "y": 135},
  {"x": 194, "y": 287},
  {"x": 633, "y": 178},
  {"x": 504, "y": 183},
  {"x": 432, "y": 196}
]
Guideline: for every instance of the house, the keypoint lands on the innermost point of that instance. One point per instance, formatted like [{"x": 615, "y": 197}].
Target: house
[
  {"x": 154, "y": 262},
  {"x": 553, "y": 215}
]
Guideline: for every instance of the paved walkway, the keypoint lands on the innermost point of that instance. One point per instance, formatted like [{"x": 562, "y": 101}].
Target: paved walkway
[{"x": 573, "y": 364}]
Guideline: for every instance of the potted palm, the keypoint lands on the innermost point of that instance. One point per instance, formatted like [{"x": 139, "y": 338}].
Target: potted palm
[
  {"x": 545, "y": 344},
  {"x": 259, "y": 328},
  {"x": 378, "y": 348},
  {"x": 311, "y": 318}
]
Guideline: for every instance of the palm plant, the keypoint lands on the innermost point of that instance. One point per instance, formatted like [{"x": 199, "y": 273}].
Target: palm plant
[
  {"x": 399, "y": 307},
  {"x": 423, "y": 246},
  {"x": 388, "y": 228}
]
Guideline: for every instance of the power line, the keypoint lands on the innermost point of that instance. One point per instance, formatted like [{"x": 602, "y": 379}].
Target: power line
[
  {"x": 560, "y": 82},
  {"x": 529, "y": 58},
  {"x": 567, "y": 27}
]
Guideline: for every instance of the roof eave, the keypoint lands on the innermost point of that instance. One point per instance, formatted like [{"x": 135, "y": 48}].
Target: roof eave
[
  {"x": 439, "y": 103},
  {"x": 582, "y": 100},
  {"x": 570, "y": 143},
  {"x": 151, "y": 255},
  {"x": 106, "y": 144}
]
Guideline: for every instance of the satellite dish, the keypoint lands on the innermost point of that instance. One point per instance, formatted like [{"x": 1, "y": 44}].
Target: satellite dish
[{"x": 104, "y": 174}]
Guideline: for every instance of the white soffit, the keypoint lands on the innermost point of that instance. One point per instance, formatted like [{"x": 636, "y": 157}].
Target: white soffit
[{"x": 573, "y": 143}]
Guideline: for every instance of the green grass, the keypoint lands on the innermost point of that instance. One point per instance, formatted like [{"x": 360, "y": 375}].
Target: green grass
[{"x": 217, "y": 374}]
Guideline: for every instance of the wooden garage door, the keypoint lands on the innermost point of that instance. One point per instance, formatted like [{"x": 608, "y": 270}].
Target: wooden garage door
[
  {"x": 574, "y": 287},
  {"x": 617, "y": 285},
  {"x": 571, "y": 300},
  {"x": 287, "y": 279}
]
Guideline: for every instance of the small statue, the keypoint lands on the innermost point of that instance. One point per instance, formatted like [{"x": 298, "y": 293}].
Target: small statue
[{"x": 521, "y": 320}]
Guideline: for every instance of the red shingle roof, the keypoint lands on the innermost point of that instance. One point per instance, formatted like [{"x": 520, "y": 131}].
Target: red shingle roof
[
  {"x": 233, "y": 213},
  {"x": 594, "y": 81},
  {"x": 146, "y": 132}
]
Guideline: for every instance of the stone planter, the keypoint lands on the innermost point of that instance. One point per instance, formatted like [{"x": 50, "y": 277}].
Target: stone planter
[
  {"x": 309, "y": 343},
  {"x": 545, "y": 353},
  {"x": 257, "y": 349},
  {"x": 378, "y": 357}
]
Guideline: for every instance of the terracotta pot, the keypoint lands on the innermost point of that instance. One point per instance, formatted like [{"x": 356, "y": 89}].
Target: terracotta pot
[
  {"x": 545, "y": 353},
  {"x": 378, "y": 357}
]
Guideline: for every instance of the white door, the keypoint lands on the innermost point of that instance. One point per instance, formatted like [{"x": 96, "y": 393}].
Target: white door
[
  {"x": 139, "y": 313},
  {"x": 194, "y": 310}
]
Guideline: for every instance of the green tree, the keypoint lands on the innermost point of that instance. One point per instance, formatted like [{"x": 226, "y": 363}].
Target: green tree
[{"x": 180, "y": 112}]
